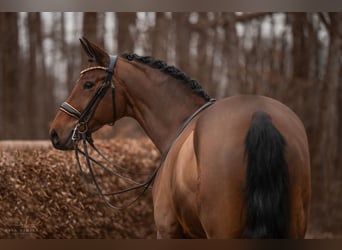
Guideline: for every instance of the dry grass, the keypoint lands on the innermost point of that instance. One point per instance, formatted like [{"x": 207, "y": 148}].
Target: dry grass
[{"x": 42, "y": 194}]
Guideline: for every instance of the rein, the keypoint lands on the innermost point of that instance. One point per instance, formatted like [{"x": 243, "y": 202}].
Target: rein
[{"x": 81, "y": 133}]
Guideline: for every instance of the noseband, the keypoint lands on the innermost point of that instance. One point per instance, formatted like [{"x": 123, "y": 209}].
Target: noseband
[{"x": 84, "y": 117}]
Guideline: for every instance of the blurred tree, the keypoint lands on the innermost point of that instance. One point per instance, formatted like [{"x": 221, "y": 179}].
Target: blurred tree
[
  {"x": 328, "y": 127},
  {"x": 10, "y": 94},
  {"x": 37, "y": 104},
  {"x": 93, "y": 30},
  {"x": 126, "y": 23},
  {"x": 204, "y": 58},
  {"x": 231, "y": 52},
  {"x": 182, "y": 37},
  {"x": 160, "y": 36},
  {"x": 299, "y": 49},
  {"x": 71, "y": 53}
]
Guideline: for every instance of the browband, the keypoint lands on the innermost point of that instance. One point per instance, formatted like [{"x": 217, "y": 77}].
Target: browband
[
  {"x": 110, "y": 69},
  {"x": 92, "y": 68}
]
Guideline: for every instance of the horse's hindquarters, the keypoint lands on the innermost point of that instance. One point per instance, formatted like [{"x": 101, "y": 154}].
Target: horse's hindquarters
[
  {"x": 220, "y": 136},
  {"x": 201, "y": 189},
  {"x": 175, "y": 193}
]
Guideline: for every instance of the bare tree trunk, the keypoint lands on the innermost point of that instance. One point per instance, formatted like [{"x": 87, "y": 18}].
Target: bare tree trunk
[
  {"x": 90, "y": 26},
  {"x": 101, "y": 29},
  {"x": 300, "y": 50},
  {"x": 182, "y": 40},
  {"x": 37, "y": 85},
  {"x": 125, "y": 37},
  {"x": 313, "y": 47},
  {"x": 160, "y": 37},
  {"x": 9, "y": 80},
  {"x": 32, "y": 73},
  {"x": 231, "y": 50},
  {"x": 329, "y": 127},
  {"x": 71, "y": 52},
  {"x": 204, "y": 69},
  {"x": 90, "y": 20}
]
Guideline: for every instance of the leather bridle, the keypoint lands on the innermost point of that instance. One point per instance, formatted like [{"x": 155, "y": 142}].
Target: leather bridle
[
  {"x": 84, "y": 117},
  {"x": 81, "y": 132}
]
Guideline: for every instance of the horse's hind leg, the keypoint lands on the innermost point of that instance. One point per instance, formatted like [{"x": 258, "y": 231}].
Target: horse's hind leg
[
  {"x": 167, "y": 224},
  {"x": 165, "y": 217},
  {"x": 169, "y": 234},
  {"x": 222, "y": 221},
  {"x": 221, "y": 198}
]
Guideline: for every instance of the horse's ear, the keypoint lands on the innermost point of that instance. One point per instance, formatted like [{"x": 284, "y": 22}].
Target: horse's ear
[
  {"x": 85, "y": 48},
  {"x": 94, "y": 52}
]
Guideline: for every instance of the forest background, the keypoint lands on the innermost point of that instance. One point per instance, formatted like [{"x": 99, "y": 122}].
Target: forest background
[{"x": 293, "y": 57}]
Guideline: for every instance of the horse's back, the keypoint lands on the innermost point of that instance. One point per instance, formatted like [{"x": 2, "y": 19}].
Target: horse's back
[{"x": 220, "y": 148}]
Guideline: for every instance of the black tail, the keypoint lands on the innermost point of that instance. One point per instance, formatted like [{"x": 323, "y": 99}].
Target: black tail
[{"x": 267, "y": 187}]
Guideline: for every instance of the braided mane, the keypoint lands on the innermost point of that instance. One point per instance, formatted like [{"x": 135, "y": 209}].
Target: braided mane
[{"x": 170, "y": 70}]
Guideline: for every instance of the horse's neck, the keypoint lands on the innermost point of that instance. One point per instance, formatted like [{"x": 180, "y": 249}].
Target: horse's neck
[{"x": 160, "y": 108}]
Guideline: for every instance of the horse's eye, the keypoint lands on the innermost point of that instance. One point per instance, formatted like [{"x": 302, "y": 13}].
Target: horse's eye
[{"x": 88, "y": 85}]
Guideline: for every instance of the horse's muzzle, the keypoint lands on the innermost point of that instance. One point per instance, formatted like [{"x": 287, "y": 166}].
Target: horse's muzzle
[{"x": 57, "y": 143}]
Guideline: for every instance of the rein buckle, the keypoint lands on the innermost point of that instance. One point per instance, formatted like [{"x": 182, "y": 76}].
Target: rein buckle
[{"x": 80, "y": 128}]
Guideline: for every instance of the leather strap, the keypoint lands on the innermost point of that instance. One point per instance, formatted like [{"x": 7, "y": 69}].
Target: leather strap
[
  {"x": 90, "y": 109},
  {"x": 70, "y": 110},
  {"x": 137, "y": 186}
]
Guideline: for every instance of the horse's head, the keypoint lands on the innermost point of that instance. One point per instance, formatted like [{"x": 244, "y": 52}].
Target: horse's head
[{"x": 93, "y": 102}]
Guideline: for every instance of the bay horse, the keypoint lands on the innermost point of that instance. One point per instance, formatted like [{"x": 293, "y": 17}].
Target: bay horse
[{"x": 239, "y": 168}]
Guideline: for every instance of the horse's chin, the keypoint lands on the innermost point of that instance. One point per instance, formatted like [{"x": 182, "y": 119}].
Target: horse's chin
[
  {"x": 66, "y": 141},
  {"x": 65, "y": 146}
]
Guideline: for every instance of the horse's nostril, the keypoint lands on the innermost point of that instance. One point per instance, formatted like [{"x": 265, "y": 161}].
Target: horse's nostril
[{"x": 54, "y": 137}]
